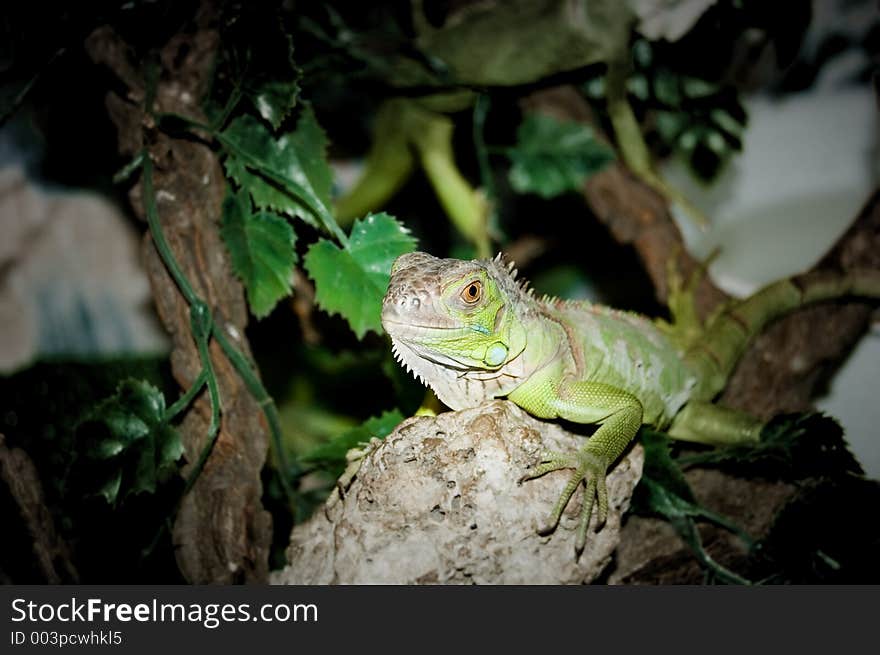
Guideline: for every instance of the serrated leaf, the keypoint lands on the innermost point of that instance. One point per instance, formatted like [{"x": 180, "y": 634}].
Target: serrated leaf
[
  {"x": 106, "y": 448},
  {"x": 792, "y": 446},
  {"x": 663, "y": 491},
  {"x": 351, "y": 281},
  {"x": 332, "y": 454},
  {"x": 289, "y": 174},
  {"x": 310, "y": 143},
  {"x": 271, "y": 77},
  {"x": 553, "y": 157},
  {"x": 275, "y": 99},
  {"x": 661, "y": 468},
  {"x": 129, "y": 447},
  {"x": 266, "y": 194},
  {"x": 261, "y": 246}
]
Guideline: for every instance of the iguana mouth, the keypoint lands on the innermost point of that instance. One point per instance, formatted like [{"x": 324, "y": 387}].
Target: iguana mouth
[
  {"x": 404, "y": 316},
  {"x": 417, "y": 326}
]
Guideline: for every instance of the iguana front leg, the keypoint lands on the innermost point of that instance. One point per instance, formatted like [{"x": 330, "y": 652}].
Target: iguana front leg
[{"x": 619, "y": 415}]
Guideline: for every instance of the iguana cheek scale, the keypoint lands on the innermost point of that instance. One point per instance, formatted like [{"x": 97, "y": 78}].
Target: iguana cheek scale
[{"x": 472, "y": 332}]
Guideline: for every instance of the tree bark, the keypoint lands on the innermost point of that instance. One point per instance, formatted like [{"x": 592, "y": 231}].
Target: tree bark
[
  {"x": 51, "y": 555},
  {"x": 222, "y": 533}
]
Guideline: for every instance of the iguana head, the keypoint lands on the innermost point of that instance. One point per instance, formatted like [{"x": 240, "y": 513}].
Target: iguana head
[{"x": 456, "y": 325}]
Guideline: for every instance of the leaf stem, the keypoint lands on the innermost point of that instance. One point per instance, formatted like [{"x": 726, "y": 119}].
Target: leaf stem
[
  {"x": 158, "y": 235},
  {"x": 214, "y": 427},
  {"x": 201, "y": 322},
  {"x": 249, "y": 376},
  {"x": 202, "y": 325},
  {"x": 186, "y": 120},
  {"x": 231, "y": 104},
  {"x": 324, "y": 217},
  {"x": 126, "y": 171},
  {"x": 321, "y": 213},
  {"x": 183, "y": 402}
]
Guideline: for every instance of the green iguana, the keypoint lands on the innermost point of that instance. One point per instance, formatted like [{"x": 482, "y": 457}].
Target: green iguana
[{"x": 472, "y": 332}]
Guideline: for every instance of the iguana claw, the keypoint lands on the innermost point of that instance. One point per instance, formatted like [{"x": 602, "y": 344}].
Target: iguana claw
[{"x": 589, "y": 469}]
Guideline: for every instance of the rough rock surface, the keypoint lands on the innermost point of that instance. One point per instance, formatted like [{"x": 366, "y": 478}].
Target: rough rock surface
[{"x": 438, "y": 501}]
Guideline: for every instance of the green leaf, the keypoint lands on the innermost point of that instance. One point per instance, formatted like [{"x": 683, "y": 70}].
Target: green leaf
[
  {"x": 332, "y": 454},
  {"x": 289, "y": 174},
  {"x": 642, "y": 53},
  {"x": 351, "y": 281},
  {"x": 661, "y": 468},
  {"x": 637, "y": 85},
  {"x": 594, "y": 88},
  {"x": 695, "y": 87},
  {"x": 275, "y": 99},
  {"x": 666, "y": 88},
  {"x": 128, "y": 445},
  {"x": 792, "y": 447},
  {"x": 670, "y": 124},
  {"x": 274, "y": 87},
  {"x": 664, "y": 491},
  {"x": 715, "y": 142},
  {"x": 690, "y": 138},
  {"x": 265, "y": 193},
  {"x": 261, "y": 245},
  {"x": 255, "y": 62},
  {"x": 110, "y": 488},
  {"x": 552, "y": 157},
  {"x": 727, "y": 122}
]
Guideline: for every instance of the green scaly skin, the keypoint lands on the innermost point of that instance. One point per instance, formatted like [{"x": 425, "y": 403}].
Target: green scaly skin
[{"x": 472, "y": 332}]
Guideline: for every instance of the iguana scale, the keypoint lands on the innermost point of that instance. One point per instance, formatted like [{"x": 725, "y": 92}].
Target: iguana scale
[{"x": 472, "y": 332}]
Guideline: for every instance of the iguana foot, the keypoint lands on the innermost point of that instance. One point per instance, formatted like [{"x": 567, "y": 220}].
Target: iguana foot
[{"x": 590, "y": 469}]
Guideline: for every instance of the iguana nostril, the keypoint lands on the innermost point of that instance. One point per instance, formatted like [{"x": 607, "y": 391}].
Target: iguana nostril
[{"x": 414, "y": 303}]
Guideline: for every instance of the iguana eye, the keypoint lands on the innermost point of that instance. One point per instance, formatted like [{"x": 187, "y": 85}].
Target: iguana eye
[{"x": 472, "y": 292}]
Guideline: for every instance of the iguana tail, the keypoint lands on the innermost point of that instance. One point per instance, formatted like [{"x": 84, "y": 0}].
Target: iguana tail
[{"x": 716, "y": 352}]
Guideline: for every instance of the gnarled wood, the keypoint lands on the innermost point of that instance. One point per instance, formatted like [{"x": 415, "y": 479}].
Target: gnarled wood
[{"x": 222, "y": 533}]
